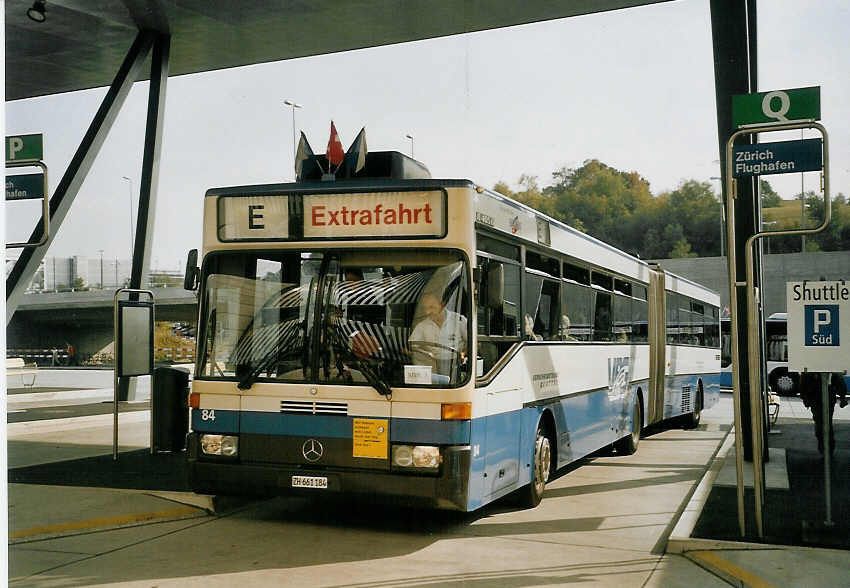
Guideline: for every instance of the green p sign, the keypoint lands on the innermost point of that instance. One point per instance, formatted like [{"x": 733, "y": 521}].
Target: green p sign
[
  {"x": 776, "y": 106},
  {"x": 24, "y": 148}
]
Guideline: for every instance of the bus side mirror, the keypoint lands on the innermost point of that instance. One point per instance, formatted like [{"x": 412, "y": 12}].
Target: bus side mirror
[
  {"x": 495, "y": 285},
  {"x": 190, "y": 278}
]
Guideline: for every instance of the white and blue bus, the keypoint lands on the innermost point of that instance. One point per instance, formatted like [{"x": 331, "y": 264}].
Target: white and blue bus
[
  {"x": 779, "y": 379},
  {"x": 314, "y": 376}
]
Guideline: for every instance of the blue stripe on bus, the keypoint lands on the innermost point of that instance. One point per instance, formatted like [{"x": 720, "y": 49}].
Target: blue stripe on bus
[
  {"x": 402, "y": 430},
  {"x": 215, "y": 421},
  {"x": 430, "y": 431}
]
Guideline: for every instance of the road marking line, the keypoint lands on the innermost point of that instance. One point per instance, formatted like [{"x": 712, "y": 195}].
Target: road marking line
[
  {"x": 106, "y": 522},
  {"x": 727, "y": 567}
]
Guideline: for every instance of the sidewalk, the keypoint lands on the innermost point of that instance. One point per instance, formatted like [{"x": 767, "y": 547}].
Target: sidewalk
[{"x": 797, "y": 550}]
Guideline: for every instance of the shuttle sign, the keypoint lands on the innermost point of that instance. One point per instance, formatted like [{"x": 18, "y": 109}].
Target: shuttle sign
[{"x": 818, "y": 326}]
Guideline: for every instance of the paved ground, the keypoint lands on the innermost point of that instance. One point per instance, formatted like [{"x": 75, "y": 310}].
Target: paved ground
[
  {"x": 76, "y": 518},
  {"x": 793, "y": 513}
]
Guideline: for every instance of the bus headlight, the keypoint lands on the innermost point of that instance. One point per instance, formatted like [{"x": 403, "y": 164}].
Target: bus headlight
[
  {"x": 416, "y": 456},
  {"x": 225, "y": 445}
]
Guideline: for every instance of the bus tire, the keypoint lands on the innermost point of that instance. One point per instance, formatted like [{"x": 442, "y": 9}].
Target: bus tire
[
  {"x": 541, "y": 466},
  {"x": 783, "y": 383},
  {"x": 691, "y": 420},
  {"x": 629, "y": 444}
]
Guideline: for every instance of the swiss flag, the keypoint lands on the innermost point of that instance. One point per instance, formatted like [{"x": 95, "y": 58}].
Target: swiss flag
[{"x": 335, "y": 153}]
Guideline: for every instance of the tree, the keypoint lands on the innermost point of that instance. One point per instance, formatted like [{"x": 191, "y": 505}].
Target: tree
[
  {"x": 79, "y": 284},
  {"x": 601, "y": 200},
  {"x": 695, "y": 210},
  {"x": 769, "y": 197}
]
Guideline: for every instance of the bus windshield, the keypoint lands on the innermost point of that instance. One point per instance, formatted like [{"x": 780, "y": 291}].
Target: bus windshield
[{"x": 384, "y": 318}]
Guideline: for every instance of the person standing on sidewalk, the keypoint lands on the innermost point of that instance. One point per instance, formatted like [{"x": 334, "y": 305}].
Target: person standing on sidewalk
[
  {"x": 72, "y": 354},
  {"x": 812, "y": 396}
]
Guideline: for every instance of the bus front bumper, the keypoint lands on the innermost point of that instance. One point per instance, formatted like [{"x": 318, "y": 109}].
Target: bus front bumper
[{"x": 446, "y": 490}]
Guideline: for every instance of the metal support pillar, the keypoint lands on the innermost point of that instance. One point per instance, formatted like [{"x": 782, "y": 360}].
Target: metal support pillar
[
  {"x": 733, "y": 28},
  {"x": 25, "y": 268},
  {"x": 150, "y": 174}
]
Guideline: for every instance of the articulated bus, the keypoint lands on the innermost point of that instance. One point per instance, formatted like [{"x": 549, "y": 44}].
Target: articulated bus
[{"x": 427, "y": 340}]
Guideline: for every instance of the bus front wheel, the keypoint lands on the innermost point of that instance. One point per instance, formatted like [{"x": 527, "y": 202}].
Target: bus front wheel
[
  {"x": 531, "y": 495},
  {"x": 629, "y": 444}
]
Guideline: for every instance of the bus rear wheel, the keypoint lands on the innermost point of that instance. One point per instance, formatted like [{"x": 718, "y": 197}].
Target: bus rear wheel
[
  {"x": 531, "y": 495},
  {"x": 691, "y": 420},
  {"x": 629, "y": 444}
]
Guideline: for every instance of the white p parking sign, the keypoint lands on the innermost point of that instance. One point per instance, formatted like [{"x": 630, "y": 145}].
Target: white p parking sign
[{"x": 818, "y": 316}]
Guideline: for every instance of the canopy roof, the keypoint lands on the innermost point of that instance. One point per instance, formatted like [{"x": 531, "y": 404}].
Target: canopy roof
[{"x": 82, "y": 42}]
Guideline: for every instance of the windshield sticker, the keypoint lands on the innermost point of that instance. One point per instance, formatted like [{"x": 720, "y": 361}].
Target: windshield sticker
[{"x": 417, "y": 374}]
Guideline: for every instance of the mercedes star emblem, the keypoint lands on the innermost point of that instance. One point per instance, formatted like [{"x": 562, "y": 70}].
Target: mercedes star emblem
[{"x": 312, "y": 450}]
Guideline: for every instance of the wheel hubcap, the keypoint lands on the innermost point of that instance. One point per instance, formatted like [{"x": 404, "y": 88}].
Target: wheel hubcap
[
  {"x": 785, "y": 384},
  {"x": 541, "y": 462}
]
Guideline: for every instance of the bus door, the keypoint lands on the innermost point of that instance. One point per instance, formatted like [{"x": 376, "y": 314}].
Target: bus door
[{"x": 500, "y": 324}]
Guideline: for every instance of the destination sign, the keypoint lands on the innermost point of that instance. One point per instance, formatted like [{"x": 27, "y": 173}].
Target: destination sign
[
  {"x": 378, "y": 214},
  {"x": 25, "y": 187},
  {"x": 783, "y": 157},
  {"x": 250, "y": 218},
  {"x": 24, "y": 148},
  {"x": 776, "y": 106}
]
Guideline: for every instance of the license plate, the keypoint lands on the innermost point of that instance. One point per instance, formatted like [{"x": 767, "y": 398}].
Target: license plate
[{"x": 309, "y": 482}]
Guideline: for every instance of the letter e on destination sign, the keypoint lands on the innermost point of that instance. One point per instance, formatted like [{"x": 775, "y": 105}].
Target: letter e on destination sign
[{"x": 248, "y": 218}]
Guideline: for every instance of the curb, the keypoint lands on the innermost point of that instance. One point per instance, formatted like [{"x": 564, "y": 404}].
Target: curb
[
  {"x": 104, "y": 524},
  {"x": 727, "y": 571}
]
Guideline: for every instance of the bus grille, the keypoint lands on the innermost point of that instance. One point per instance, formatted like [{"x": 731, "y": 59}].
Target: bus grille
[
  {"x": 686, "y": 399},
  {"x": 313, "y": 407}
]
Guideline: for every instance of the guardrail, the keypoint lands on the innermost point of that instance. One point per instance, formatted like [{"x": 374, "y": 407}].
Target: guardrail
[{"x": 42, "y": 357}]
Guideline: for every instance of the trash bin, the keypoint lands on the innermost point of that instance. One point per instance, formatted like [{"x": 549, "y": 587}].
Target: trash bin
[{"x": 169, "y": 408}]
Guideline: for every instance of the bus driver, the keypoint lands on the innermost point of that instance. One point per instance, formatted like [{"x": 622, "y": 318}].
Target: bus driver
[{"x": 440, "y": 337}]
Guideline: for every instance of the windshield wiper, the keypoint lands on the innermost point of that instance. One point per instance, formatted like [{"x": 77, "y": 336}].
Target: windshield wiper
[
  {"x": 372, "y": 375},
  {"x": 247, "y": 379}
]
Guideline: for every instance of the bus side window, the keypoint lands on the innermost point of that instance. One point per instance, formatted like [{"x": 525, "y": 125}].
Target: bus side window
[
  {"x": 576, "y": 321},
  {"x": 602, "y": 317}
]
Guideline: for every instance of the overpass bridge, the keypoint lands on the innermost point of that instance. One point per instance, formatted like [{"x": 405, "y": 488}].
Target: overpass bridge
[{"x": 85, "y": 319}]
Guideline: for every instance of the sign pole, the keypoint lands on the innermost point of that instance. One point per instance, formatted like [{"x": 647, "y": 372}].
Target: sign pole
[
  {"x": 826, "y": 421},
  {"x": 753, "y": 350}
]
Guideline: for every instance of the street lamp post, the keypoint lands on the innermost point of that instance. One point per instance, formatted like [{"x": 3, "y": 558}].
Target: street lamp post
[
  {"x": 409, "y": 136},
  {"x": 101, "y": 268},
  {"x": 132, "y": 237},
  {"x": 293, "y": 105}
]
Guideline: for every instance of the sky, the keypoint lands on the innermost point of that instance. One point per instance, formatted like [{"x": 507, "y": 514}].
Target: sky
[{"x": 633, "y": 88}]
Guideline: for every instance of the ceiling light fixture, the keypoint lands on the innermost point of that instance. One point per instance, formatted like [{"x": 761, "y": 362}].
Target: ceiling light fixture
[{"x": 38, "y": 11}]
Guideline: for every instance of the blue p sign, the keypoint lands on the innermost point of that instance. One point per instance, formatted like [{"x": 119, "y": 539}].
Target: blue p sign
[{"x": 821, "y": 325}]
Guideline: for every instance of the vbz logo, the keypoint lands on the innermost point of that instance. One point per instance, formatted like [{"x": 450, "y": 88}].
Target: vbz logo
[{"x": 821, "y": 325}]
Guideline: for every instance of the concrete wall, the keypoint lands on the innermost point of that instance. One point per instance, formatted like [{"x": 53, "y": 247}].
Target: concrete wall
[{"x": 778, "y": 269}]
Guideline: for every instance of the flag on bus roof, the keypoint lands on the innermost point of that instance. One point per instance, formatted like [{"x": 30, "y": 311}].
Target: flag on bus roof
[
  {"x": 305, "y": 160},
  {"x": 355, "y": 158},
  {"x": 334, "y": 152}
]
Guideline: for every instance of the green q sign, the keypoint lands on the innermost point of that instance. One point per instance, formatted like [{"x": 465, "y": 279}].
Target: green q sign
[{"x": 776, "y": 106}]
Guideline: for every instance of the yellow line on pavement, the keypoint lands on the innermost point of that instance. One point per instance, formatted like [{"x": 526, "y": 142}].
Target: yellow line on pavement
[
  {"x": 746, "y": 577},
  {"x": 105, "y": 522}
]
